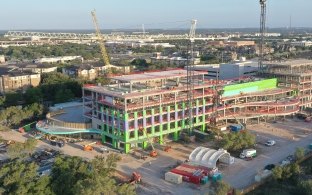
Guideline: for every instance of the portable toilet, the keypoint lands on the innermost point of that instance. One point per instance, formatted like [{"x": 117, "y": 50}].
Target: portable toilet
[
  {"x": 204, "y": 180},
  {"x": 216, "y": 177}
]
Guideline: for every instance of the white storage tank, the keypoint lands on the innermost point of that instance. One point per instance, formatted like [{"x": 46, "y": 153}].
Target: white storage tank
[{"x": 173, "y": 178}]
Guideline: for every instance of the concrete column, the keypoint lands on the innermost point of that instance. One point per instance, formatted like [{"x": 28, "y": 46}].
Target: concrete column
[
  {"x": 175, "y": 136},
  {"x": 161, "y": 140},
  {"x": 127, "y": 148},
  {"x": 144, "y": 145},
  {"x": 115, "y": 143}
]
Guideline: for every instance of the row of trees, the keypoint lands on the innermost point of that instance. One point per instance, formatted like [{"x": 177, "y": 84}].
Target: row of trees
[
  {"x": 69, "y": 175},
  {"x": 88, "y": 52},
  {"x": 14, "y": 115}
]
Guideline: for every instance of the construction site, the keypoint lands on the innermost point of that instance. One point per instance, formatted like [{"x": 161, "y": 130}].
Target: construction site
[
  {"x": 152, "y": 110},
  {"x": 153, "y": 106}
]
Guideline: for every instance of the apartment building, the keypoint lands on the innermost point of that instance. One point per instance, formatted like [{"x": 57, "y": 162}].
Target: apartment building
[
  {"x": 17, "y": 80},
  {"x": 86, "y": 71}
]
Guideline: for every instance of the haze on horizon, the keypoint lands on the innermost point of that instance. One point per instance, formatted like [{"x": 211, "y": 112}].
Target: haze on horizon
[{"x": 131, "y": 14}]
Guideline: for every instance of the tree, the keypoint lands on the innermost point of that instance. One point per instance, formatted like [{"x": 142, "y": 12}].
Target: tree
[
  {"x": 222, "y": 188},
  {"x": 103, "y": 80},
  {"x": 12, "y": 99},
  {"x": 237, "y": 141},
  {"x": 63, "y": 95},
  {"x": 30, "y": 145},
  {"x": 286, "y": 172},
  {"x": 22, "y": 150},
  {"x": 33, "y": 95},
  {"x": 72, "y": 175},
  {"x": 305, "y": 187},
  {"x": 278, "y": 173},
  {"x": 18, "y": 177},
  {"x": 2, "y": 100},
  {"x": 299, "y": 154}
]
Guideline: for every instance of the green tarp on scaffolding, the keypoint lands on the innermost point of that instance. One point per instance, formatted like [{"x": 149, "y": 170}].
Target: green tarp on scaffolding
[{"x": 249, "y": 87}]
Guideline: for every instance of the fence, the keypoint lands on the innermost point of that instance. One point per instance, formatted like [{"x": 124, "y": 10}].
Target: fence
[{"x": 56, "y": 122}]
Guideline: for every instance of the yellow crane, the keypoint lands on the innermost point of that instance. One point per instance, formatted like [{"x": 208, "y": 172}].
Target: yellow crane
[{"x": 101, "y": 42}]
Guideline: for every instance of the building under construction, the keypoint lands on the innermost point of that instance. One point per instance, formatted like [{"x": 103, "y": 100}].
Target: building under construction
[{"x": 155, "y": 104}]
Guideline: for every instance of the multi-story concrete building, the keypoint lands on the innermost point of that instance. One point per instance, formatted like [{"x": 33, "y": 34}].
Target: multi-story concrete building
[
  {"x": 225, "y": 71},
  {"x": 295, "y": 74},
  {"x": 155, "y": 104}
]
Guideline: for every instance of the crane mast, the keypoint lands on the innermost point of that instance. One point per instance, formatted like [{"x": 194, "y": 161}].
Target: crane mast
[
  {"x": 101, "y": 41},
  {"x": 262, "y": 34},
  {"x": 190, "y": 76}
]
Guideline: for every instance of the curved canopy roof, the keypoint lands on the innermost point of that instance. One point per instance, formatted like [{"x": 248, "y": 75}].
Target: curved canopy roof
[{"x": 207, "y": 157}]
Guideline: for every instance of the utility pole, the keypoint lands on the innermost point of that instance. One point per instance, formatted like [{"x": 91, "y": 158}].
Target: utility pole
[
  {"x": 262, "y": 34},
  {"x": 190, "y": 77}
]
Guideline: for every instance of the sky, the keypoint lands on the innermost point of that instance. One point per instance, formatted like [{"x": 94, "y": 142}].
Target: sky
[{"x": 123, "y": 14}]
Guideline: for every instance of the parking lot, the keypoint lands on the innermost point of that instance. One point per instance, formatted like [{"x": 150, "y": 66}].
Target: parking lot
[{"x": 288, "y": 134}]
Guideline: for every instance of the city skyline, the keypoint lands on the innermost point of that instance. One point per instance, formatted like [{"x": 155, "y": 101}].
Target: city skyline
[{"x": 160, "y": 14}]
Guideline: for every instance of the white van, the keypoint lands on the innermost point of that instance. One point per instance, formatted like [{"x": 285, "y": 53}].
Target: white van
[{"x": 248, "y": 153}]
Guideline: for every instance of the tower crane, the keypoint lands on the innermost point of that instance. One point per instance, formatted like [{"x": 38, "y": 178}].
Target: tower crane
[
  {"x": 262, "y": 34},
  {"x": 101, "y": 42},
  {"x": 190, "y": 76}
]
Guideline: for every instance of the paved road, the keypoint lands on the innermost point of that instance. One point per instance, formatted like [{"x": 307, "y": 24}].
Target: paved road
[{"x": 243, "y": 173}]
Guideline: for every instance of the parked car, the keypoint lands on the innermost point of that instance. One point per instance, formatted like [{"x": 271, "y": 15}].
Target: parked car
[
  {"x": 285, "y": 162},
  {"x": 291, "y": 158},
  {"x": 104, "y": 149},
  {"x": 270, "y": 143},
  {"x": 269, "y": 167}
]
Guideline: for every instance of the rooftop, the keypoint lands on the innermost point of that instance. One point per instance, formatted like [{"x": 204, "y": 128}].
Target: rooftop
[
  {"x": 155, "y": 75},
  {"x": 292, "y": 63}
]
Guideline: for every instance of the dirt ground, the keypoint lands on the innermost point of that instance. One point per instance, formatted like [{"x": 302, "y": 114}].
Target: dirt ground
[
  {"x": 292, "y": 129},
  {"x": 289, "y": 134}
]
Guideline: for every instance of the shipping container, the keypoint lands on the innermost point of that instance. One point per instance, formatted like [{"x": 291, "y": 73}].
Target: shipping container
[
  {"x": 174, "y": 178},
  {"x": 193, "y": 173}
]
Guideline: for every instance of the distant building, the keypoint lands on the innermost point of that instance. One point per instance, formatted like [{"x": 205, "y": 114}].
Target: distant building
[
  {"x": 240, "y": 43},
  {"x": 85, "y": 71},
  {"x": 158, "y": 58},
  {"x": 235, "y": 69},
  {"x": 216, "y": 43},
  {"x": 35, "y": 68},
  {"x": 302, "y": 43},
  {"x": 231, "y": 43},
  {"x": 269, "y": 34},
  {"x": 2, "y": 59},
  {"x": 58, "y": 59},
  {"x": 11, "y": 80},
  {"x": 266, "y": 50}
]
